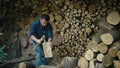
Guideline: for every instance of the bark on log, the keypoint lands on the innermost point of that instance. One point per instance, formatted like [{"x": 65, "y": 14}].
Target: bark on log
[
  {"x": 99, "y": 65},
  {"x": 113, "y": 18},
  {"x": 104, "y": 25},
  {"x": 110, "y": 37},
  {"x": 107, "y": 60}
]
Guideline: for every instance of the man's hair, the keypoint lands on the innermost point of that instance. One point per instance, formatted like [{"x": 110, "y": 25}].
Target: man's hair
[{"x": 45, "y": 16}]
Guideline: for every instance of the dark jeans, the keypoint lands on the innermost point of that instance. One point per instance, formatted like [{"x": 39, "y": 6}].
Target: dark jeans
[{"x": 40, "y": 59}]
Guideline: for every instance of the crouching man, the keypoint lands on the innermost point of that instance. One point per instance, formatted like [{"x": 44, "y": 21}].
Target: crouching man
[{"x": 37, "y": 30}]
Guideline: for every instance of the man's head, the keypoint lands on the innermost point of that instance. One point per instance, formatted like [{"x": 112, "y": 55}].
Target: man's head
[{"x": 44, "y": 19}]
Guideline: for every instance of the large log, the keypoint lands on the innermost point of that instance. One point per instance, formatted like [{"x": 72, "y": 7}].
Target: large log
[
  {"x": 107, "y": 61},
  {"x": 113, "y": 18},
  {"x": 111, "y": 36},
  {"x": 82, "y": 63},
  {"x": 89, "y": 54},
  {"x": 116, "y": 63},
  {"x": 103, "y": 48},
  {"x": 114, "y": 50}
]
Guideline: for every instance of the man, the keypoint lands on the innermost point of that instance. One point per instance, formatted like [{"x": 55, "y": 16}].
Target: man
[{"x": 37, "y": 30}]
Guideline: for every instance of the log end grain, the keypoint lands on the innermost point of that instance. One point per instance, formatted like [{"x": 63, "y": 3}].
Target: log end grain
[
  {"x": 113, "y": 18},
  {"x": 107, "y": 38}
]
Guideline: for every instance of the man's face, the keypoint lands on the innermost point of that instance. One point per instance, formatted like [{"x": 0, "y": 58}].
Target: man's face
[{"x": 43, "y": 22}]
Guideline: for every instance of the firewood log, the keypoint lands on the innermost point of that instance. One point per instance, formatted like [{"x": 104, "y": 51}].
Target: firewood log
[
  {"x": 114, "y": 49},
  {"x": 103, "y": 48},
  {"x": 100, "y": 57},
  {"x": 82, "y": 63},
  {"x": 22, "y": 65},
  {"x": 111, "y": 36},
  {"x": 91, "y": 64},
  {"x": 118, "y": 54},
  {"x": 116, "y": 63},
  {"x": 113, "y": 18},
  {"x": 99, "y": 65},
  {"x": 107, "y": 60},
  {"x": 89, "y": 54}
]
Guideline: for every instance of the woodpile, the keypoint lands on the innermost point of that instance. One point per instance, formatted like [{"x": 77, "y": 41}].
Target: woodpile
[{"x": 86, "y": 29}]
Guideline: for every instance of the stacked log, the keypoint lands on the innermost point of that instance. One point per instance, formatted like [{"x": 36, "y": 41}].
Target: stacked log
[{"x": 105, "y": 45}]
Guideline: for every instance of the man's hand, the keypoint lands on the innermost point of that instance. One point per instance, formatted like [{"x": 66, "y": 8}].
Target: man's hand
[{"x": 39, "y": 40}]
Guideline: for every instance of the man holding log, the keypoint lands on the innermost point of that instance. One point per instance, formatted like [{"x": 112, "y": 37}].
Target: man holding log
[{"x": 38, "y": 29}]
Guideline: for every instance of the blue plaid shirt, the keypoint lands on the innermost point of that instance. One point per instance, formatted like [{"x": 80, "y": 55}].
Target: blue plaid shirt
[{"x": 38, "y": 31}]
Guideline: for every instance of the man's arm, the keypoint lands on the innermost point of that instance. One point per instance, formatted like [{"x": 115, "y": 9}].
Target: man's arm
[
  {"x": 32, "y": 33},
  {"x": 35, "y": 39}
]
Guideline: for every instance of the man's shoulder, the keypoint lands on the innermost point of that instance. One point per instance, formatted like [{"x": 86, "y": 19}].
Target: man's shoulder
[
  {"x": 36, "y": 22},
  {"x": 49, "y": 25}
]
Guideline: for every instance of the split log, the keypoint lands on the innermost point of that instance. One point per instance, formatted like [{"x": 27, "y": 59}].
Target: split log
[
  {"x": 91, "y": 64},
  {"x": 103, "y": 48},
  {"x": 100, "y": 57},
  {"x": 118, "y": 54},
  {"x": 113, "y": 18},
  {"x": 22, "y": 65},
  {"x": 82, "y": 63},
  {"x": 114, "y": 50},
  {"x": 110, "y": 37},
  {"x": 94, "y": 45},
  {"x": 116, "y": 63},
  {"x": 89, "y": 54},
  {"x": 107, "y": 61}
]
